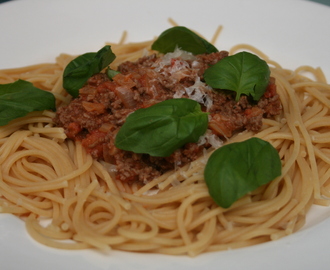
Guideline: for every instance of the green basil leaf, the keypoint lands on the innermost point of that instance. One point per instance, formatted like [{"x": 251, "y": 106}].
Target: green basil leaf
[
  {"x": 19, "y": 98},
  {"x": 111, "y": 73},
  {"x": 183, "y": 38},
  {"x": 244, "y": 73},
  {"x": 235, "y": 169},
  {"x": 162, "y": 128},
  {"x": 80, "y": 69}
]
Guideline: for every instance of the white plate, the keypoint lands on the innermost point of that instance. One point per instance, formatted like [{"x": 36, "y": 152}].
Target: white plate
[{"x": 291, "y": 32}]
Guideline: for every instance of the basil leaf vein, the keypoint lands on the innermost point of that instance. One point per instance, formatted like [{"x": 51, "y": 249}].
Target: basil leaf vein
[
  {"x": 183, "y": 38},
  {"x": 162, "y": 128},
  {"x": 80, "y": 69},
  {"x": 19, "y": 98},
  {"x": 244, "y": 73},
  {"x": 235, "y": 169}
]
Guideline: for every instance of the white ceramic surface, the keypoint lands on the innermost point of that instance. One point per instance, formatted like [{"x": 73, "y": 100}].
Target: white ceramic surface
[{"x": 291, "y": 32}]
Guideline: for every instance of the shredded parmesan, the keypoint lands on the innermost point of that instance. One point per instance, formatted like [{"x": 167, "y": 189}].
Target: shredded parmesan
[
  {"x": 178, "y": 53},
  {"x": 211, "y": 138},
  {"x": 198, "y": 92}
]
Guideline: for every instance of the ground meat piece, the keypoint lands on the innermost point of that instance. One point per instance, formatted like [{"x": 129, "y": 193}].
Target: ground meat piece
[
  {"x": 101, "y": 109},
  {"x": 204, "y": 61},
  {"x": 134, "y": 167}
]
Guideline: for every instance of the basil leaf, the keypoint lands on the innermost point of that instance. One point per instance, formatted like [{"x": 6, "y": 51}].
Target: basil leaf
[
  {"x": 235, "y": 169},
  {"x": 19, "y": 98},
  {"x": 80, "y": 69},
  {"x": 111, "y": 73},
  {"x": 185, "y": 39},
  {"x": 162, "y": 128},
  {"x": 244, "y": 73}
]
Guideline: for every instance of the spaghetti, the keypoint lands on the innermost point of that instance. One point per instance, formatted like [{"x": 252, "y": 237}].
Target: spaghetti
[{"x": 45, "y": 178}]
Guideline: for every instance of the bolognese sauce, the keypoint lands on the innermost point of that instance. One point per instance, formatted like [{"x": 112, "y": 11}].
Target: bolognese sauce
[{"x": 95, "y": 117}]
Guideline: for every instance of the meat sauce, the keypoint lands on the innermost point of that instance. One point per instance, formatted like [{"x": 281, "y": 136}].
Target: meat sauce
[{"x": 95, "y": 117}]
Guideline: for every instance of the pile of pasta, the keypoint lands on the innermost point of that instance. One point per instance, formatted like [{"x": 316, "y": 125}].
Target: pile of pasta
[{"x": 70, "y": 201}]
